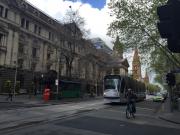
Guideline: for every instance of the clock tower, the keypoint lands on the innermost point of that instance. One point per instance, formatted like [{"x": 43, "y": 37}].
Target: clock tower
[{"x": 136, "y": 66}]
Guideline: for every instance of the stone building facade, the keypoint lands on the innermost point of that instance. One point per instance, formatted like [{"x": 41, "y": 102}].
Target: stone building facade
[
  {"x": 32, "y": 43},
  {"x": 115, "y": 63}
]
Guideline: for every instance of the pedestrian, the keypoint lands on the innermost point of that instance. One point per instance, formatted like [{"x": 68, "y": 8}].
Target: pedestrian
[{"x": 9, "y": 95}]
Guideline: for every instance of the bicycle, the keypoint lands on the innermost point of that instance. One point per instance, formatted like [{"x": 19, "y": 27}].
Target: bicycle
[{"x": 130, "y": 111}]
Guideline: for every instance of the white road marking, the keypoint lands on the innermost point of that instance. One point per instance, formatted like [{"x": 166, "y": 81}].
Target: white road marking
[{"x": 149, "y": 109}]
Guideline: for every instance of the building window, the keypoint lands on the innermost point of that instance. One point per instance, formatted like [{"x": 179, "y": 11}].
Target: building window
[
  {"x": 35, "y": 28},
  {"x": 22, "y": 22},
  {"x": 1, "y": 39},
  {"x": 27, "y": 25},
  {"x": 50, "y": 34},
  {"x": 48, "y": 67},
  {"x": 39, "y": 31},
  {"x": 1, "y": 11},
  {"x": 6, "y": 13},
  {"x": 20, "y": 63},
  {"x": 69, "y": 45},
  {"x": 52, "y": 37},
  {"x": 33, "y": 66},
  {"x": 34, "y": 52},
  {"x": 21, "y": 48},
  {"x": 48, "y": 56}
]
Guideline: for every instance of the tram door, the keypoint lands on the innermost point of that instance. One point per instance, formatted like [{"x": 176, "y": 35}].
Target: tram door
[{"x": 122, "y": 89}]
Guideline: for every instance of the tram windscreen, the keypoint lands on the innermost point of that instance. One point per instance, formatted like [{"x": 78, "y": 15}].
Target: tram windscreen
[{"x": 111, "y": 83}]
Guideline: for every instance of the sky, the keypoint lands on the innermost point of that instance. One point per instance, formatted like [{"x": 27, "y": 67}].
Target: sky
[
  {"x": 94, "y": 3},
  {"x": 95, "y": 13}
]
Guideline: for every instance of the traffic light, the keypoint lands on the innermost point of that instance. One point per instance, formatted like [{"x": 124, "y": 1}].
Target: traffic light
[
  {"x": 169, "y": 24},
  {"x": 170, "y": 79}
]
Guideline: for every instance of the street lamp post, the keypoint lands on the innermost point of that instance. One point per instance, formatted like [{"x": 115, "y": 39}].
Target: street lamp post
[
  {"x": 57, "y": 83},
  {"x": 58, "y": 72},
  {"x": 42, "y": 81},
  {"x": 15, "y": 79}
]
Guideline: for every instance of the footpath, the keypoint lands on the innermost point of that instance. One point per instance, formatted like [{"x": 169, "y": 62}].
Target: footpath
[
  {"x": 167, "y": 115},
  {"x": 38, "y": 100},
  {"x": 14, "y": 115}
]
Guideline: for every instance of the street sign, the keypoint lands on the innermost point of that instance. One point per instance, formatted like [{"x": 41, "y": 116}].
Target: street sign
[{"x": 56, "y": 82}]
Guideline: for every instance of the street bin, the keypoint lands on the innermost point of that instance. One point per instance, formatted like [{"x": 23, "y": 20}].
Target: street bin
[{"x": 46, "y": 94}]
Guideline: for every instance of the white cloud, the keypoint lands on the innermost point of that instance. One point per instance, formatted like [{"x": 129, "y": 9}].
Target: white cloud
[{"x": 96, "y": 20}]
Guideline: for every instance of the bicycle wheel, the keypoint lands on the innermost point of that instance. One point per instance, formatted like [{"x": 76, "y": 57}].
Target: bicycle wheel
[{"x": 128, "y": 114}]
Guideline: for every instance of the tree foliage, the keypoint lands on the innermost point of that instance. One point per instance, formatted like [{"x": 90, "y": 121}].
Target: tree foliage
[
  {"x": 75, "y": 26},
  {"x": 72, "y": 16},
  {"x": 153, "y": 88},
  {"x": 136, "y": 25}
]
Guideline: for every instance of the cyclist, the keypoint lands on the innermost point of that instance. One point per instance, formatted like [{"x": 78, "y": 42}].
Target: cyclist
[{"x": 131, "y": 99}]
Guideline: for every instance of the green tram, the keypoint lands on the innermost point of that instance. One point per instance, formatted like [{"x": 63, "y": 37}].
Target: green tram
[{"x": 116, "y": 86}]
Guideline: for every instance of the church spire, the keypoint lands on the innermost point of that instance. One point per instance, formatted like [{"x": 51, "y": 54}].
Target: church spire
[
  {"x": 118, "y": 48},
  {"x": 146, "y": 78},
  {"x": 136, "y": 55},
  {"x": 136, "y": 66}
]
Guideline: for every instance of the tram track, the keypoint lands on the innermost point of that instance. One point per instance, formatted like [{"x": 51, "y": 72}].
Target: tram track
[{"x": 35, "y": 121}]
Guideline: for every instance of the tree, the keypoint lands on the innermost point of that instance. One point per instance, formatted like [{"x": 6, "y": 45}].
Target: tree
[
  {"x": 135, "y": 24},
  {"x": 72, "y": 16},
  {"x": 75, "y": 31},
  {"x": 151, "y": 88}
]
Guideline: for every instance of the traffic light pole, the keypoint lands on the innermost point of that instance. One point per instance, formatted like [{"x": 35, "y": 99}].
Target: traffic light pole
[
  {"x": 170, "y": 99},
  {"x": 170, "y": 79},
  {"x": 168, "y": 24}
]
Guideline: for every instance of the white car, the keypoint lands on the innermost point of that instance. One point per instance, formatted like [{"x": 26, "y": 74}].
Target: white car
[{"x": 158, "y": 98}]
